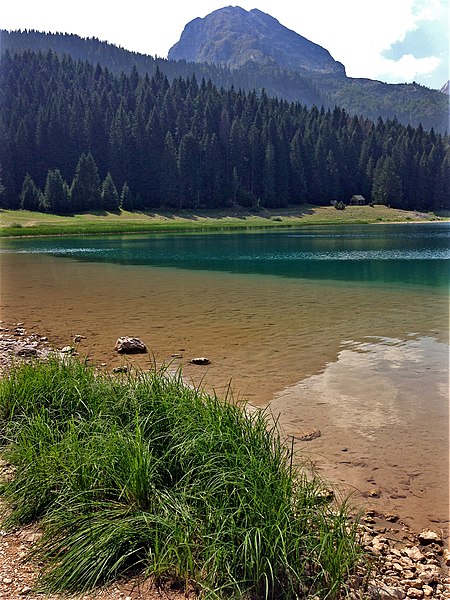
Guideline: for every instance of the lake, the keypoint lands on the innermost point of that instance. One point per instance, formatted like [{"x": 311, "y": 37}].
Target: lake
[{"x": 342, "y": 330}]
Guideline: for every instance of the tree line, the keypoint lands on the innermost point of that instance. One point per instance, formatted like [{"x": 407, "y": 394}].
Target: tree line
[
  {"x": 74, "y": 137},
  {"x": 409, "y": 103}
]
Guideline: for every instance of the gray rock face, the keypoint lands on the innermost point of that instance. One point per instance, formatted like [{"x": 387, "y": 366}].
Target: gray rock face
[
  {"x": 232, "y": 36},
  {"x": 130, "y": 345}
]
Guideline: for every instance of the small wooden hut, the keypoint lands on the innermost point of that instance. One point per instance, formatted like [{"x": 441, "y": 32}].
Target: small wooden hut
[{"x": 357, "y": 200}]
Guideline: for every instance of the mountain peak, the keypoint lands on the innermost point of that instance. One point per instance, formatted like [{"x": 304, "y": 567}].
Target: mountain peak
[{"x": 232, "y": 36}]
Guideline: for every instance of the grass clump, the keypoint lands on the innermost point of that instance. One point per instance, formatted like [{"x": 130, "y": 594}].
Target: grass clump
[{"x": 145, "y": 473}]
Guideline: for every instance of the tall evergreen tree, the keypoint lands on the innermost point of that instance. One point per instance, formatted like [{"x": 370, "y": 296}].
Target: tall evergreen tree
[
  {"x": 56, "y": 194},
  {"x": 269, "y": 190},
  {"x": 297, "y": 181},
  {"x": 387, "y": 186},
  {"x": 109, "y": 197},
  {"x": 85, "y": 191},
  {"x": 126, "y": 198},
  {"x": 30, "y": 196},
  {"x": 170, "y": 177},
  {"x": 189, "y": 168}
]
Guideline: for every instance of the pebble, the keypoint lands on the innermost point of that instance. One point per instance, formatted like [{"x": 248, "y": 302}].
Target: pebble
[
  {"x": 414, "y": 593},
  {"x": 411, "y": 568}
]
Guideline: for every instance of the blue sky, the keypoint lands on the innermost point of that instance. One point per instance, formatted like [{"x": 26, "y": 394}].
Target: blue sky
[{"x": 391, "y": 40}]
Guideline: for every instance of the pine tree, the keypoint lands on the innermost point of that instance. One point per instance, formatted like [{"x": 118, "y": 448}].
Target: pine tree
[
  {"x": 269, "y": 198},
  {"x": 189, "y": 168},
  {"x": 387, "y": 186},
  {"x": 30, "y": 196},
  {"x": 56, "y": 194},
  {"x": 126, "y": 198},
  {"x": 297, "y": 180},
  {"x": 109, "y": 197},
  {"x": 170, "y": 177},
  {"x": 85, "y": 191}
]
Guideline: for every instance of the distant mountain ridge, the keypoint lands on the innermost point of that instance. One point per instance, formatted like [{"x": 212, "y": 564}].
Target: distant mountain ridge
[
  {"x": 408, "y": 103},
  {"x": 232, "y": 36},
  {"x": 237, "y": 38}
]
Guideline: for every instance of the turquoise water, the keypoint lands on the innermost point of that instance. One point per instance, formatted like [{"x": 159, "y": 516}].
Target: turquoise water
[{"x": 409, "y": 254}]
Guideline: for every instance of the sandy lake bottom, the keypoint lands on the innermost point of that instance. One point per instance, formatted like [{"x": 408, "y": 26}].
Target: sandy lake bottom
[{"x": 366, "y": 365}]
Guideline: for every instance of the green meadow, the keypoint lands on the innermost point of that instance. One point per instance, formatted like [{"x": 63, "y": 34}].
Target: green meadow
[{"x": 23, "y": 223}]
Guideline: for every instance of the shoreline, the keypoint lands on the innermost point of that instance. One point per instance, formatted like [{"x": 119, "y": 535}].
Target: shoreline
[{"x": 19, "y": 223}]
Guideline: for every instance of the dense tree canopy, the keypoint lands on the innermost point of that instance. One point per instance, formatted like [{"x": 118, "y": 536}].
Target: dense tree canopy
[
  {"x": 410, "y": 103},
  {"x": 83, "y": 136}
]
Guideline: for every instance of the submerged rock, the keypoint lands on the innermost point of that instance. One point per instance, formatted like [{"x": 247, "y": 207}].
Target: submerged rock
[
  {"x": 310, "y": 435},
  {"x": 130, "y": 345},
  {"x": 27, "y": 351}
]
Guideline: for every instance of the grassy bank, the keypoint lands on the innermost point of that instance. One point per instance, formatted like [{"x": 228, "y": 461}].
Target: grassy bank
[
  {"x": 21, "y": 222},
  {"x": 143, "y": 473}
]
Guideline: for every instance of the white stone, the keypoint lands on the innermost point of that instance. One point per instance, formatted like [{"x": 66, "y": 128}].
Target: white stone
[
  {"x": 200, "y": 360},
  {"x": 446, "y": 557},
  {"x": 428, "y": 573},
  {"x": 428, "y": 537},
  {"x": 130, "y": 345},
  {"x": 414, "y": 553}
]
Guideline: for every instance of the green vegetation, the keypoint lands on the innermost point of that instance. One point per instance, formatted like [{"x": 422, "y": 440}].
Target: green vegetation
[
  {"x": 93, "y": 141},
  {"x": 27, "y": 223},
  {"x": 142, "y": 473}
]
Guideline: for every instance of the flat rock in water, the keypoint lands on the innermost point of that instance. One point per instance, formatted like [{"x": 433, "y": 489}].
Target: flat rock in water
[
  {"x": 201, "y": 360},
  {"x": 130, "y": 345}
]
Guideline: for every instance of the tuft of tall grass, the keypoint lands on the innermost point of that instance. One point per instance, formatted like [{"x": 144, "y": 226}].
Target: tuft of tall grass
[{"x": 142, "y": 472}]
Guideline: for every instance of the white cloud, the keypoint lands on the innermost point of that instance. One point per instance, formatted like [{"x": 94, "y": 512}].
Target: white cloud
[
  {"x": 358, "y": 33},
  {"x": 408, "y": 67}
]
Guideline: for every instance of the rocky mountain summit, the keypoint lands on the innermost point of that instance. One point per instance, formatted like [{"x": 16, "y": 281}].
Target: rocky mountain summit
[{"x": 232, "y": 37}]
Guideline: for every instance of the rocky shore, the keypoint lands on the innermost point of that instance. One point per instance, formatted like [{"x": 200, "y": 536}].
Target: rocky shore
[
  {"x": 401, "y": 563},
  {"x": 17, "y": 344}
]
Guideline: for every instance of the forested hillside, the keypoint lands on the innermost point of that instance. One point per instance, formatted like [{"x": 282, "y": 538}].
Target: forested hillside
[
  {"x": 75, "y": 137},
  {"x": 411, "y": 104}
]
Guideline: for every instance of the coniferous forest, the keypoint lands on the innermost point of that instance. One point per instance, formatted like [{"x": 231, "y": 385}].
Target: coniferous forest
[{"x": 75, "y": 137}]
